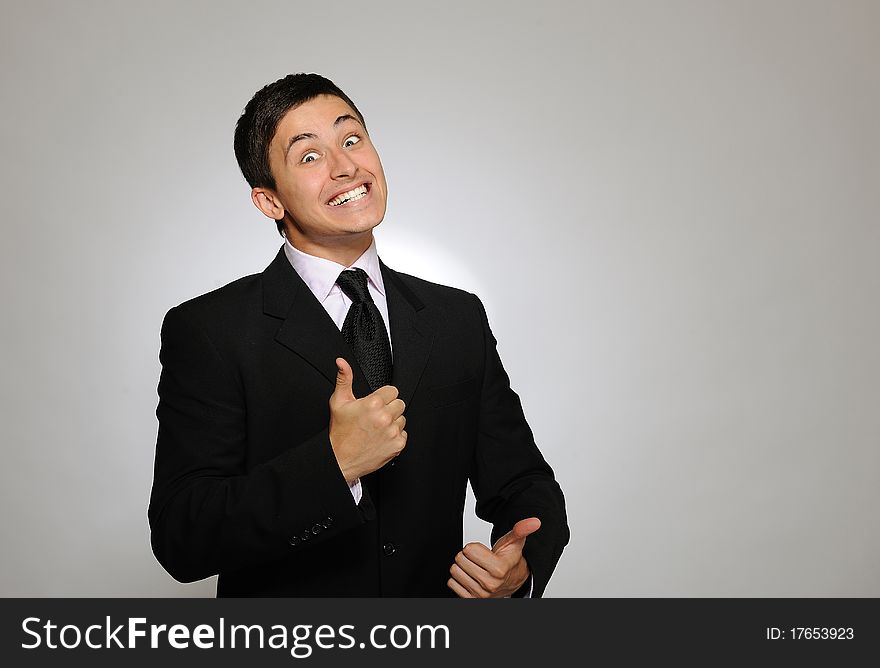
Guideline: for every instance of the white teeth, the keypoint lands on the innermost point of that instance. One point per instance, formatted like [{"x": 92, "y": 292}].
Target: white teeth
[{"x": 354, "y": 194}]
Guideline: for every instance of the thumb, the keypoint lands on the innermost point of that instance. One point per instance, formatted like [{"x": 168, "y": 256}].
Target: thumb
[
  {"x": 344, "y": 379},
  {"x": 518, "y": 534}
]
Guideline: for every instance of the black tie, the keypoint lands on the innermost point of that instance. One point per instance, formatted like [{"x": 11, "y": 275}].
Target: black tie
[{"x": 364, "y": 329}]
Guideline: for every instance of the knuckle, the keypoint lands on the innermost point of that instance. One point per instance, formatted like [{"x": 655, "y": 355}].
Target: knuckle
[
  {"x": 496, "y": 572},
  {"x": 470, "y": 549}
]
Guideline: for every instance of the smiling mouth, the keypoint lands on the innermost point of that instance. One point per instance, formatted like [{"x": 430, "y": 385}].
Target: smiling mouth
[{"x": 350, "y": 196}]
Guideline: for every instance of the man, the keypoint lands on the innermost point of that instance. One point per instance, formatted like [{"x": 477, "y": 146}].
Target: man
[{"x": 301, "y": 452}]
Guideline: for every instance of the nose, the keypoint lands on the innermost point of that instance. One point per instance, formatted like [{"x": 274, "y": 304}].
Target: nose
[{"x": 341, "y": 164}]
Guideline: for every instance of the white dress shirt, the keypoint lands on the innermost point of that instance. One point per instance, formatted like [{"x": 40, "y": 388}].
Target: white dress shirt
[{"x": 320, "y": 275}]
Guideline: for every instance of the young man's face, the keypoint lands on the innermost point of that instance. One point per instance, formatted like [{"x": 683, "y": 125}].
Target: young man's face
[{"x": 328, "y": 176}]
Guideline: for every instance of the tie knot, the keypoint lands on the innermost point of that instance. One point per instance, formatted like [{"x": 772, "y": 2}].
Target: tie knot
[{"x": 353, "y": 282}]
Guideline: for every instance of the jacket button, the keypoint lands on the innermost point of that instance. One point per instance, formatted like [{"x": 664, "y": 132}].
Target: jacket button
[
  {"x": 317, "y": 529},
  {"x": 328, "y": 522},
  {"x": 389, "y": 549},
  {"x": 294, "y": 541},
  {"x": 305, "y": 535}
]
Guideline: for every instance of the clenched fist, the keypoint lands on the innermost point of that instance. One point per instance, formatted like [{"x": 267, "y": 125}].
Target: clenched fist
[{"x": 365, "y": 433}]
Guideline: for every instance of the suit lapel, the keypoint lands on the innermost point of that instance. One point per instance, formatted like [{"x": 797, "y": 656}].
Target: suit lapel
[
  {"x": 411, "y": 335},
  {"x": 307, "y": 329}
]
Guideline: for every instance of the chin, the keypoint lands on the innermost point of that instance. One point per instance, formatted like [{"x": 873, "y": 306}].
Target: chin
[{"x": 364, "y": 225}]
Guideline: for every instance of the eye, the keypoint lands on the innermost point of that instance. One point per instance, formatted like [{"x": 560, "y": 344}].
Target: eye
[
  {"x": 311, "y": 156},
  {"x": 351, "y": 141}
]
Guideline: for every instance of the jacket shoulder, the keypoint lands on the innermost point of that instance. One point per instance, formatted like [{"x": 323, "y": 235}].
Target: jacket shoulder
[
  {"x": 431, "y": 292},
  {"x": 234, "y": 293},
  {"x": 226, "y": 304}
]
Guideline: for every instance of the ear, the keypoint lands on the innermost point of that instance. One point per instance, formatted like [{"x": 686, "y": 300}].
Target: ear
[{"x": 267, "y": 201}]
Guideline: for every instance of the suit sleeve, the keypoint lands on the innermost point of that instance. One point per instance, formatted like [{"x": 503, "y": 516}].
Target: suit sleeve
[
  {"x": 511, "y": 479},
  {"x": 210, "y": 511}
]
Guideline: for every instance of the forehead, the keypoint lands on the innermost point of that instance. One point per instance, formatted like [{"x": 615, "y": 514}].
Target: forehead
[{"x": 316, "y": 116}]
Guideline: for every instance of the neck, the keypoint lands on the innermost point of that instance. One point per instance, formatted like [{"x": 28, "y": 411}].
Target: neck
[{"x": 342, "y": 250}]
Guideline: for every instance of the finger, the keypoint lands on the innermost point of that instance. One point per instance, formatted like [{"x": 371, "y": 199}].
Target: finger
[
  {"x": 486, "y": 559},
  {"x": 400, "y": 422},
  {"x": 396, "y": 408},
  {"x": 518, "y": 533},
  {"x": 460, "y": 591},
  {"x": 486, "y": 581},
  {"x": 465, "y": 580},
  {"x": 387, "y": 393},
  {"x": 344, "y": 379}
]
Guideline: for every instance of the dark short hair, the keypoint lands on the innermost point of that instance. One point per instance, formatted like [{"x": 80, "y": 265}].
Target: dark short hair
[{"x": 257, "y": 125}]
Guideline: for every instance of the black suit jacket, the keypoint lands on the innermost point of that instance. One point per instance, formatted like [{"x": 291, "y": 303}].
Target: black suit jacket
[{"x": 246, "y": 484}]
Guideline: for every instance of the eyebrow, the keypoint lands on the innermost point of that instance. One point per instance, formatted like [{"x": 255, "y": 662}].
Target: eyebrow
[{"x": 312, "y": 135}]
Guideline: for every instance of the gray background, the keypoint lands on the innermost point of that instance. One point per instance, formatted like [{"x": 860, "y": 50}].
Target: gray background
[{"x": 670, "y": 210}]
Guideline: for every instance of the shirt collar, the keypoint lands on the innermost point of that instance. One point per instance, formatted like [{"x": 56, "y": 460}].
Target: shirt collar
[{"x": 320, "y": 274}]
